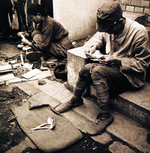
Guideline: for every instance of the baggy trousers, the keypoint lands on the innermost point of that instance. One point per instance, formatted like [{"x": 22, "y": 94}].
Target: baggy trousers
[
  {"x": 57, "y": 49},
  {"x": 104, "y": 79}
]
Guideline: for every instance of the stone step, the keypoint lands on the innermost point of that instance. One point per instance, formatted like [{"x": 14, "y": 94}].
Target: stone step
[
  {"x": 126, "y": 133},
  {"x": 133, "y": 104},
  {"x": 129, "y": 132}
]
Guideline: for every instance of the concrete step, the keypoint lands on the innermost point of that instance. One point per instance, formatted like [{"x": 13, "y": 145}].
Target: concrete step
[
  {"x": 129, "y": 132},
  {"x": 133, "y": 104},
  {"x": 124, "y": 133}
]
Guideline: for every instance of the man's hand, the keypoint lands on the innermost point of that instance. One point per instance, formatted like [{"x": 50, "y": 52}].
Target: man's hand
[
  {"x": 110, "y": 60},
  {"x": 26, "y": 41},
  {"x": 90, "y": 51},
  {"x": 88, "y": 54}
]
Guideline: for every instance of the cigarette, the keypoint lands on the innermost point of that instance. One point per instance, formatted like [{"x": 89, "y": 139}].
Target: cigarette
[{"x": 22, "y": 62}]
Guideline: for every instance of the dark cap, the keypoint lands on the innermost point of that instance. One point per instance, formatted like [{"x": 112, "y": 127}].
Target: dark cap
[{"x": 107, "y": 14}]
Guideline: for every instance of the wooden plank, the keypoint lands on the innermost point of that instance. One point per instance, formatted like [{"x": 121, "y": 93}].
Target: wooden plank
[
  {"x": 10, "y": 80},
  {"x": 31, "y": 73},
  {"x": 5, "y": 68},
  {"x": 6, "y": 77},
  {"x": 42, "y": 74}
]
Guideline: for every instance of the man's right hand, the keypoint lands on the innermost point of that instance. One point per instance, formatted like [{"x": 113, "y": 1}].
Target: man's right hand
[{"x": 90, "y": 51}]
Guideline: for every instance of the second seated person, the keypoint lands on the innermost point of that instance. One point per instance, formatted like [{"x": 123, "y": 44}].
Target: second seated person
[{"x": 50, "y": 38}]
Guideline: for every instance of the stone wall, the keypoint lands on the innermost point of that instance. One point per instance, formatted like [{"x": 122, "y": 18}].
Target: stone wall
[
  {"x": 79, "y": 17},
  {"x": 137, "y": 6}
]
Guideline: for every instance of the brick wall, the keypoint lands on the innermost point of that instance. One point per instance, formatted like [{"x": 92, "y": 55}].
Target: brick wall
[{"x": 137, "y": 6}]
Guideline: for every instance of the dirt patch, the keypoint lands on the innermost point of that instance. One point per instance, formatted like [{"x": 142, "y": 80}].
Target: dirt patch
[{"x": 10, "y": 133}]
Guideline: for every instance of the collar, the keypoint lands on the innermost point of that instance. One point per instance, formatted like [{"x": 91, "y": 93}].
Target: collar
[{"x": 121, "y": 37}]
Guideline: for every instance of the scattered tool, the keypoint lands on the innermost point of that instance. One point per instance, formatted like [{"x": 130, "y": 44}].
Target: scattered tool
[
  {"x": 20, "y": 46},
  {"x": 22, "y": 61},
  {"x": 21, "y": 35},
  {"x": 50, "y": 121},
  {"x": 26, "y": 48}
]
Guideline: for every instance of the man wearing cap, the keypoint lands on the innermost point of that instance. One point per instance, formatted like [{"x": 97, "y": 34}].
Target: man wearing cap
[
  {"x": 122, "y": 66},
  {"x": 49, "y": 37}
]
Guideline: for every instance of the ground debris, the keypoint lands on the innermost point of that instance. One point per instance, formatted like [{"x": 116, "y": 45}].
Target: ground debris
[
  {"x": 10, "y": 133},
  {"x": 41, "y": 81},
  {"x": 19, "y": 71}
]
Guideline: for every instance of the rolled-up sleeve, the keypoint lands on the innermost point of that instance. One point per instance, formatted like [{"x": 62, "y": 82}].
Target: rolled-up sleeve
[
  {"x": 46, "y": 38},
  {"x": 99, "y": 41}
]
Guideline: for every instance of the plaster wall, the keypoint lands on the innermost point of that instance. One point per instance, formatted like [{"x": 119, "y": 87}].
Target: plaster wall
[{"x": 77, "y": 16}]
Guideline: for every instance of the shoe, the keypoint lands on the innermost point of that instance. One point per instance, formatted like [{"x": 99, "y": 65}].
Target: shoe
[
  {"x": 36, "y": 64},
  {"x": 102, "y": 122},
  {"x": 64, "y": 107}
]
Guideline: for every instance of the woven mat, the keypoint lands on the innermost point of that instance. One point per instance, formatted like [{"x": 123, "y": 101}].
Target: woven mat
[{"x": 63, "y": 135}]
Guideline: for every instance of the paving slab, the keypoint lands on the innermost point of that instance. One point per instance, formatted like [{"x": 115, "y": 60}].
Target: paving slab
[
  {"x": 81, "y": 122},
  {"x": 135, "y": 105},
  {"x": 63, "y": 96},
  {"x": 28, "y": 88},
  {"x": 51, "y": 88},
  {"x": 89, "y": 109},
  {"x": 88, "y": 114},
  {"x": 118, "y": 147},
  {"x": 104, "y": 138},
  {"x": 130, "y": 132},
  {"x": 140, "y": 97},
  {"x": 83, "y": 116}
]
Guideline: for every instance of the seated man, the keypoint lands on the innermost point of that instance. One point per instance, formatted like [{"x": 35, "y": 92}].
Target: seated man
[
  {"x": 120, "y": 68},
  {"x": 50, "y": 38}
]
